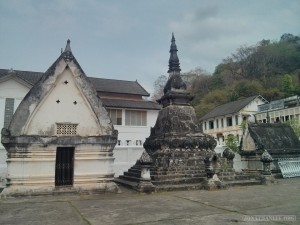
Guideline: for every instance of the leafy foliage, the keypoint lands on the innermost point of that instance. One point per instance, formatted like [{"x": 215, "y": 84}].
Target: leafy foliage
[
  {"x": 159, "y": 85},
  {"x": 287, "y": 85},
  {"x": 295, "y": 124},
  {"x": 232, "y": 142},
  {"x": 269, "y": 68}
]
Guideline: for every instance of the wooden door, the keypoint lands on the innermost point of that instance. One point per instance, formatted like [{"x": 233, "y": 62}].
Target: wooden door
[{"x": 64, "y": 166}]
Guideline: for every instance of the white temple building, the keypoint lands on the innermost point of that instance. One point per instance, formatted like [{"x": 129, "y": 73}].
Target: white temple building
[{"x": 61, "y": 135}]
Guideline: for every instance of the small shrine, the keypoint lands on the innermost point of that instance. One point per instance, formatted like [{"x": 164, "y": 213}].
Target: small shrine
[
  {"x": 60, "y": 137},
  {"x": 279, "y": 140}
]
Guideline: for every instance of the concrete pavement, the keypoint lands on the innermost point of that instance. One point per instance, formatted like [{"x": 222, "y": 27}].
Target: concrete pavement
[{"x": 236, "y": 205}]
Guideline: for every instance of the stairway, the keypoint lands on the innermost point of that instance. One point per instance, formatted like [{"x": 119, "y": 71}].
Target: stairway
[{"x": 231, "y": 178}]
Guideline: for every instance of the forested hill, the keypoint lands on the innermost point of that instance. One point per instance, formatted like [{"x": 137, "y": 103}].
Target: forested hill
[{"x": 269, "y": 68}]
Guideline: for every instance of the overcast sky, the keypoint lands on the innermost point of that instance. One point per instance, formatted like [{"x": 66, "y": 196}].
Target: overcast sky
[{"x": 130, "y": 39}]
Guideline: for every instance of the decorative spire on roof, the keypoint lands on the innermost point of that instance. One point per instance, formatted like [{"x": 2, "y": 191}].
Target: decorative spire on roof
[
  {"x": 11, "y": 71},
  {"x": 173, "y": 61},
  {"x": 68, "y": 47},
  {"x": 67, "y": 54}
]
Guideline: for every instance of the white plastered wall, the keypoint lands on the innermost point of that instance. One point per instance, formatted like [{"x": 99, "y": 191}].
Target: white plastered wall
[
  {"x": 64, "y": 104},
  {"x": 10, "y": 88},
  {"x": 126, "y": 155}
]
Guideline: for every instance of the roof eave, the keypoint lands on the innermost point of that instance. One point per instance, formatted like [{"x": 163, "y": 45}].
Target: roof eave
[{"x": 16, "y": 78}]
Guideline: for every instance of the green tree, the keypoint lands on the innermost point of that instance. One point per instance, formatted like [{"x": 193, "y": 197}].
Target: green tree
[
  {"x": 287, "y": 85},
  {"x": 248, "y": 88},
  {"x": 201, "y": 109},
  {"x": 272, "y": 94},
  {"x": 232, "y": 142},
  {"x": 217, "y": 82},
  {"x": 211, "y": 100},
  {"x": 159, "y": 85},
  {"x": 249, "y": 71},
  {"x": 295, "y": 124},
  {"x": 289, "y": 38}
]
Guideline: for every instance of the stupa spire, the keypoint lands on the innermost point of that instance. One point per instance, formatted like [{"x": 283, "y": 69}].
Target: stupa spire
[
  {"x": 175, "y": 92},
  {"x": 173, "y": 61}
]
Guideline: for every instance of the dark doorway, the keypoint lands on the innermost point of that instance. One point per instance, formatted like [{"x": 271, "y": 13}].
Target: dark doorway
[{"x": 64, "y": 166}]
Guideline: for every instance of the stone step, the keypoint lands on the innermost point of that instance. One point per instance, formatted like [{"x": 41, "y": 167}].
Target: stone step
[
  {"x": 126, "y": 183},
  {"x": 134, "y": 170},
  {"x": 186, "y": 168},
  {"x": 175, "y": 176},
  {"x": 227, "y": 178},
  {"x": 244, "y": 177},
  {"x": 180, "y": 187},
  {"x": 178, "y": 181},
  {"x": 227, "y": 174},
  {"x": 237, "y": 177},
  {"x": 129, "y": 178},
  {"x": 243, "y": 182},
  {"x": 132, "y": 174},
  {"x": 177, "y": 172}
]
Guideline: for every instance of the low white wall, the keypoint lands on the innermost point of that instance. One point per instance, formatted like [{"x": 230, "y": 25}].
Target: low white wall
[
  {"x": 238, "y": 164},
  {"x": 126, "y": 157},
  {"x": 3, "y": 166}
]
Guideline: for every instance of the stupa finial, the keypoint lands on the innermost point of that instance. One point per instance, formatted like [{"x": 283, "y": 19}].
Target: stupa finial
[{"x": 173, "y": 61}]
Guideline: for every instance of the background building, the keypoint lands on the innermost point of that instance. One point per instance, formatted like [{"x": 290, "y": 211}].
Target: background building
[
  {"x": 279, "y": 111},
  {"x": 226, "y": 119}
]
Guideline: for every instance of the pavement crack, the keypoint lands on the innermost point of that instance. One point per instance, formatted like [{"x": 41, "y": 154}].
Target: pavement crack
[
  {"x": 211, "y": 205},
  {"x": 161, "y": 220},
  {"x": 79, "y": 213}
]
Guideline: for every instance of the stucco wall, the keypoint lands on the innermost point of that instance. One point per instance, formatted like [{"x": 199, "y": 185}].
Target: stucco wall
[
  {"x": 3, "y": 166},
  {"x": 66, "y": 98},
  {"x": 136, "y": 133},
  {"x": 10, "y": 89},
  {"x": 126, "y": 157},
  {"x": 238, "y": 164}
]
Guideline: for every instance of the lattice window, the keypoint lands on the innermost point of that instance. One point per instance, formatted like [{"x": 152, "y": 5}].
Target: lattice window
[
  {"x": 66, "y": 128},
  {"x": 9, "y": 111}
]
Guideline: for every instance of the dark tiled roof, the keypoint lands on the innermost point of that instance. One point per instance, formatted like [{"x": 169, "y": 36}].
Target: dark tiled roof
[
  {"x": 101, "y": 85},
  {"x": 28, "y": 76},
  {"x": 118, "y": 86},
  {"x": 229, "y": 108},
  {"x": 275, "y": 138},
  {"x": 122, "y": 103}
]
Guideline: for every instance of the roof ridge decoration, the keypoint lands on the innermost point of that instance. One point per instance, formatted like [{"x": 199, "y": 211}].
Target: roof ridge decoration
[
  {"x": 39, "y": 92},
  {"x": 67, "y": 54},
  {"x": 11, "y": 70}
]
